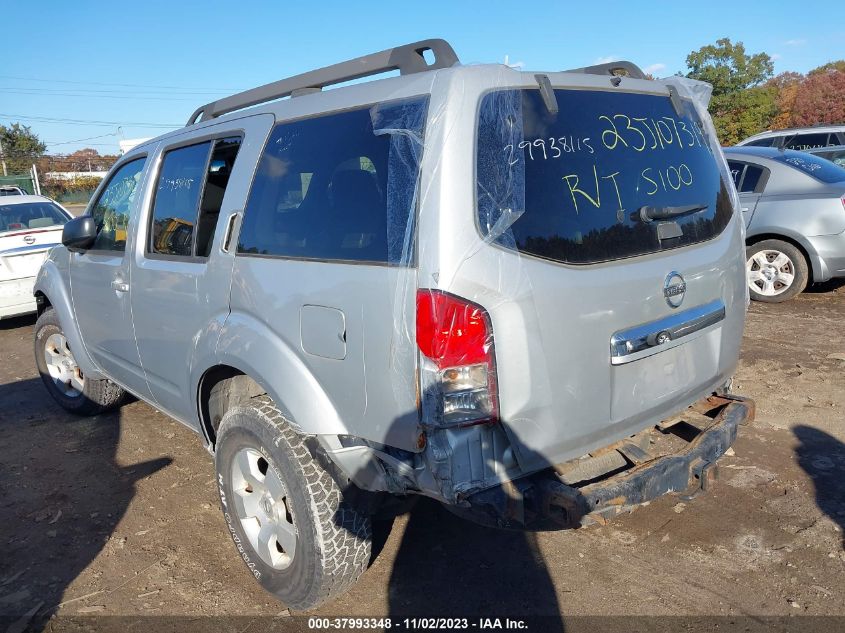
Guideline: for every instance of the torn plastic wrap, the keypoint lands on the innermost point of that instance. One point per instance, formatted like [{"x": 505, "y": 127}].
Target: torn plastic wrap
[
  {"x": 699, "y": 92},
  {"x": 437, "y": 327},
  {"x": 512, "y": 345}
]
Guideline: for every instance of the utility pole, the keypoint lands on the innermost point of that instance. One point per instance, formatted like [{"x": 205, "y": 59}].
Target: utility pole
[
  {"x": 35, "y": 182},
  {"x": 3, "y": 159}
]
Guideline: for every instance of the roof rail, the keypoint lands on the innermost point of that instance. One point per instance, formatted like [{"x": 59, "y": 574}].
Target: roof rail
[
  {"x": 407, "y": 59},
  {"x": 613, "y": 69}
]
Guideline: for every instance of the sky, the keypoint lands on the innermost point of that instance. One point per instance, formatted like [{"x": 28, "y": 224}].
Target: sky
[{"x": 86, "y": 74}]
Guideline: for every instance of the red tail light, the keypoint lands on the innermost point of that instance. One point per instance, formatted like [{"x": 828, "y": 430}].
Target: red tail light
[{"x": 456, "y": 336}]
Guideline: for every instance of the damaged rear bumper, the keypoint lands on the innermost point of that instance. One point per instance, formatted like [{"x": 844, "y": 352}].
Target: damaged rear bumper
[{"x": 543, "y": 500}]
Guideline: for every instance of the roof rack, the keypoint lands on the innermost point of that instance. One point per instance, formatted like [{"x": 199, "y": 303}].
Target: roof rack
[
  {"x": 614, "y": 69},
  {"x": 407, "y": 59}
]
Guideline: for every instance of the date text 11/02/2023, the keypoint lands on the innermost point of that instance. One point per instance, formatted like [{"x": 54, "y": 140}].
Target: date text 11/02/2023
[
  {"x": 417, "y": 623},
  {"x": 620, "y": 132}
]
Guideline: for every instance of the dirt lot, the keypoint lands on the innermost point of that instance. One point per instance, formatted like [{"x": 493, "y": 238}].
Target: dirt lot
[{"x": 119, "y": 515}]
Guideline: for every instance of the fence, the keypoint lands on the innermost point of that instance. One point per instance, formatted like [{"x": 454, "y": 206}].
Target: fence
[{"x": 25, "y": 182}]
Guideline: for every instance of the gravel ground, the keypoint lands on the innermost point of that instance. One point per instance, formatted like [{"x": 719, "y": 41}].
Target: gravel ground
[{"x": 118, "y": 515}]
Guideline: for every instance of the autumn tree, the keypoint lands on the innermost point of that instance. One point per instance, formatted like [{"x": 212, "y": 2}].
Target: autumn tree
[
  {"x": 21, "y": 148},
  {"x": 837, "y": 65},
  {"x": 821, "y": 99},
  {"x": 82, "y": 160},
  {"x": 741, "y": 104},
  {"x": 786, "y": 86}
]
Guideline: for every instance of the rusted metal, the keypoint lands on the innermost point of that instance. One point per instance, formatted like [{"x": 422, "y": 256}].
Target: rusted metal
[{"x": 690, "y": 469}]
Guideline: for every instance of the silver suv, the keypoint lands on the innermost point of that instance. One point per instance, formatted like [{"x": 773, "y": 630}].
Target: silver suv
[
  {"x": 521, "y": 294},
  {"x": 798, "y": 138}
]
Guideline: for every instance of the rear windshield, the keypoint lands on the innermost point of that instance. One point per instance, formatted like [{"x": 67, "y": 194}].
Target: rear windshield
[
  {"x": 819, "y": 168},
  {"x": 30, "y": 215},
  {"x": 610, "y": 175}
]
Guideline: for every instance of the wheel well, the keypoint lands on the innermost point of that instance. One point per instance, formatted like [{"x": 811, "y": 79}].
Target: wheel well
[
  {"x": 41, "y": 302},
  {"x": 221, "y": 388},
  {"x": 774, "y": 236}
]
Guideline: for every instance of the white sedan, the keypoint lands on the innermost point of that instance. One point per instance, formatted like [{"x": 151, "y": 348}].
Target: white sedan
[{"x": 29, "y": 227}]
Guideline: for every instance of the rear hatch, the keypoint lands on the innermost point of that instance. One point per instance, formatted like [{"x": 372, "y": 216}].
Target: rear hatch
[
  {"x": 631, "y": 302},
  {"x": 27, "y": 231}
]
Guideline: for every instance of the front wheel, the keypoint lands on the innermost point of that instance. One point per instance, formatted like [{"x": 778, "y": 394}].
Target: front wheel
[
  {"x": 777, "y": 271},
  {"x": 62, "y": 376},
  {"x": 286, "y": 514}
]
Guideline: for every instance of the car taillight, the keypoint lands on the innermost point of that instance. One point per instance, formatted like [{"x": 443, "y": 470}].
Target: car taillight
[{"x": 455, "y": 335}]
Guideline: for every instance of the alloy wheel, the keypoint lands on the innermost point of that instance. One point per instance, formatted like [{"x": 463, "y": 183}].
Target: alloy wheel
[
  {"x": 62, "y": 366},
  {"x": 263, "y": 509}
]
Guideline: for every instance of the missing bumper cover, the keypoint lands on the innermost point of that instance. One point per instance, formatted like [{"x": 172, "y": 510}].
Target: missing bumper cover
[{"x": 548, "y": 501}]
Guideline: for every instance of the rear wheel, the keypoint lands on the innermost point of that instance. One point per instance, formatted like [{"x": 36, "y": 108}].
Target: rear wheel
[
  {"x": 286, "y": 514},
  {"x": 777, "y": 271},
  {"x": 62, "y": 376}
]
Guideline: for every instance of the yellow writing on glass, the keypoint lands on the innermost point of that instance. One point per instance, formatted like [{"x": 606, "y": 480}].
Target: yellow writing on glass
[{"x": 573, "y": 181}]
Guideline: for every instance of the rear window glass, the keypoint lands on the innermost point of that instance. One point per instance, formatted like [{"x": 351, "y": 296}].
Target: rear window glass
[
  {"x": 809, "y": 141},
  {"x": 30, "y": 215},
  {"x": 819, "y": 168},
  {"x": 837, "y": 156},
  {"x": 610, "y": 175}
]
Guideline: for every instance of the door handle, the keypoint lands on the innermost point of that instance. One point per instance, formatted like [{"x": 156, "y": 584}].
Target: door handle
[
  {"x": 120, "y": 286},
  {"x": 744, "y": 209},
  {"x": 226, "y": 244}
]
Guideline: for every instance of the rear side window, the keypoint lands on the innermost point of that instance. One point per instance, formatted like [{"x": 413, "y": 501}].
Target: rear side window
[
  {"x": 338, "y": 187},
  {"x": 111, "y": 211},
  {"x": 610, "y": 175},
  {"x": 188, "y": 197}
]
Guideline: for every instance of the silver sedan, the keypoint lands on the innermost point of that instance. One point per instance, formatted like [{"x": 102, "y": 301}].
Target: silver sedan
[{"x": 793, "y": 205}]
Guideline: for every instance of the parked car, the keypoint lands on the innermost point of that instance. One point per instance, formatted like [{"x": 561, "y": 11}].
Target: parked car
[
  {"x": 29, "y": 227},
  {"x": 833, "y": 153},
  {"x": 794, "y": 209},
  {"x": 519, "y": 294},
  {"x": 799, "y": 138},
  {"x": 11, "y": 190}
]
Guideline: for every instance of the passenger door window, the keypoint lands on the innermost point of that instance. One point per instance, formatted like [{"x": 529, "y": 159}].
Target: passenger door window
[
  {"x": 190, "y": 190},
  {"x": 750, "y": 179},
  {"x": 111, "y": 210}
]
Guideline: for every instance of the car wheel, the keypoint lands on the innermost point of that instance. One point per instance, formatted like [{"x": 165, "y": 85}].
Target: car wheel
[
  {"x": 63, "y": 377},
  {"x": 284, "y": 511},
  {"x": 776, "y": 271}
]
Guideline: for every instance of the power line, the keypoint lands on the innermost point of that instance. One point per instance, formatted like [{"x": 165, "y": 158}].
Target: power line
[
  {"x": 121, "y": 92},
  {"x": 88, "y": 96},
  {"x": 80, "y": 140},
  {"x": 99, "y": 83},
  {"x": 44, "y": 119}
]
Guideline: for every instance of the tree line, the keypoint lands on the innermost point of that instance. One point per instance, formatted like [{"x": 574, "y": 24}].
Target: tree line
[{"x": 747, "y": 98}]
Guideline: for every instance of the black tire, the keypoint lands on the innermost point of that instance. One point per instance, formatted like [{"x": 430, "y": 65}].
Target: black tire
[
  {"x": 96, "y": 396},
  {"x": 796, "y": 265},
  {"x": 333, "y": 540}
]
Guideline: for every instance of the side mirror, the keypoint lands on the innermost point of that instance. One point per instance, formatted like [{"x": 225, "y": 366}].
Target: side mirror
[{"x": 79, "y": 234}]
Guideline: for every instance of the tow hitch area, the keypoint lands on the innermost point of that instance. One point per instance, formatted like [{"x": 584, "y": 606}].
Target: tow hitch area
[{"x": 677, "y": 455}]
